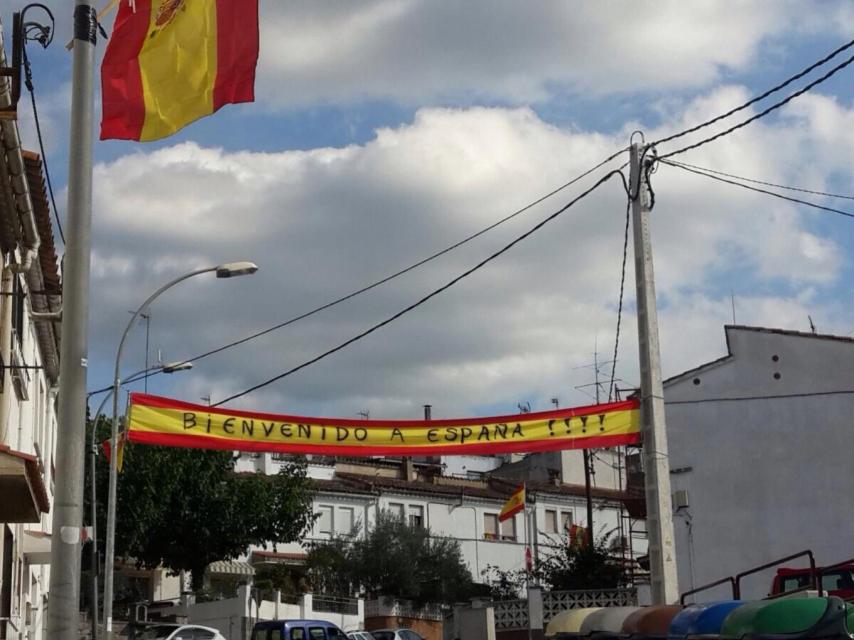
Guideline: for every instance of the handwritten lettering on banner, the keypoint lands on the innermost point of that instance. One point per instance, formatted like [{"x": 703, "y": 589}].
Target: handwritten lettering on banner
[{"x": 163, "y": 421}]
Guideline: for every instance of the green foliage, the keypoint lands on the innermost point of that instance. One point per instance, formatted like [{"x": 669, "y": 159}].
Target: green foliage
[
  {"x": 393, "y": 559},
  {"x": 574, "y": 566},
  {"x": 570, "y": 566},
  {"x": 290, "y": 580},
  {"x": 504, "y": 584},
  {"x": 185, "y": 508}
]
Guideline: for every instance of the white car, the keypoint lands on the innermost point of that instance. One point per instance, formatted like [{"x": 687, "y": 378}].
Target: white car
[
  {"x": 178, "y": 632},
  {"x": 396, "y": 634},
  {"x": 360, "y": 635}
]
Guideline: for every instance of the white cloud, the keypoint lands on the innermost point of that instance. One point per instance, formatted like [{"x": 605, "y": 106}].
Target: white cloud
[
  {"x": 415, "y": 50},
  {"x": 322, "y": 223}
]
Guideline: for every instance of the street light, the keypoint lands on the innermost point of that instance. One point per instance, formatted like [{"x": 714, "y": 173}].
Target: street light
[
  {"x": 173, "y": 367},
  {"x": 228, "y": 270}
]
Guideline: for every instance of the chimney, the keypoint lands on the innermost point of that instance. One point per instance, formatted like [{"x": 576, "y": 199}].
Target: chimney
[{"x": 428, "y": 411}]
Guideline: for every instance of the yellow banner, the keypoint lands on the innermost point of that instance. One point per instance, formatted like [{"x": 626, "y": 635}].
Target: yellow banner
[{"x": 163, "y": 421}]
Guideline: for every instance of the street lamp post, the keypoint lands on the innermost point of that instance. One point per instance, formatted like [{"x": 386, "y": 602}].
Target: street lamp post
[
  {"x": 93, "y": 452},
  {"x": 229, "y": 270}
]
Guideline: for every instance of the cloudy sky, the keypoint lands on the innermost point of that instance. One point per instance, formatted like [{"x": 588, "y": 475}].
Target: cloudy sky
[{"x": 387, "y": 130}]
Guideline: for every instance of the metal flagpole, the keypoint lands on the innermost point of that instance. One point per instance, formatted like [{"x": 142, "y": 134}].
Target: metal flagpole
[
  {"x": 63, "y": 617},
  {"x": 659, "y": 518}
]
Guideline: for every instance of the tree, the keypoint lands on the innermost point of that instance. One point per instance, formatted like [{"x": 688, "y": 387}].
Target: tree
[
  {"x": 392, "y": 559},
  {"x": 185, "y": 508},
  {"x": 572, "y": 565},
  {"x": 576, "y": 565}
]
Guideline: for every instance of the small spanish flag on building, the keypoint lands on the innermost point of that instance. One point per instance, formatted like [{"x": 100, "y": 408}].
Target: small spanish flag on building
[
  {"x": 171, "y": 62},
  {"x": 120, "y": 447},
  {"x": 514, "y": 505}
]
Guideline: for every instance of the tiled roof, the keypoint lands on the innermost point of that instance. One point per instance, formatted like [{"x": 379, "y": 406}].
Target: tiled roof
[
  {"x": 493, "y": 489},
  {"x": 31, "y": 464},
  {"x": 41, "y": 207}
]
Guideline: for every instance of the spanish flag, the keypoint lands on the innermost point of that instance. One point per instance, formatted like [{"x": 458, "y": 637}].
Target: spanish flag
[
  {"x": 120, "y": 447},
  {"x": 514, "y": 505},
  {"x": 171, "y": 62}
]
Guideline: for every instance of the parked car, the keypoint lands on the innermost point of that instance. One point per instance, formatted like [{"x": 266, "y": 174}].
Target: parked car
[
  {"x": 177, "y": 632},
  {"x": 838, "y": 581},
  {"x": 296, "y": 630},
  {"x": 360, "y": 635},
  {"x": 396, "y": 634}
]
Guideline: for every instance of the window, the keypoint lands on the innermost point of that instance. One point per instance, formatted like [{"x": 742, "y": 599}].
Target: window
[
  {"x": 316, "y": 633},
  {"x": 203, "y": 634},
  {"x": 396, "y": 509},
  {"x": 346, "y": 520},
  {"x": 490, "y": 526},
  {"x": 566, "y": 520},
  {"x": 508, "y": 529},
  {"x": 324, "y": 520},
  {"x": 335, "y": 634},
  {"x": 416, "y": 516},
  {"x": 298, "y": 633},
  {"x": 275, "y": 634},
  {"x": 406, "y": 634},
  {"x": 551, "y": 521},
  {"x": 18, "y": 311}
]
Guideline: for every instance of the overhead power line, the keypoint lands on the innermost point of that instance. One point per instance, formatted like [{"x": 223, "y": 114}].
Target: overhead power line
[
  {"x": 767, "y": 184},
  {"x": 758, "y": 190},
  {"x": 28, "y": 81},
  {"x": 620, "y": 304},
  {"x": 764, "y": 113},
  {"x": 779, "y": 396},
  {"x": 388, "y": 278},
  {"x": 760, "y": 97},
  {"x": 430, "y": 295}
]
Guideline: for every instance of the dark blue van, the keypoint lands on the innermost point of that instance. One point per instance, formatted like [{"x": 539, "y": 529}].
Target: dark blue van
[{"x": 296, "y": 630}]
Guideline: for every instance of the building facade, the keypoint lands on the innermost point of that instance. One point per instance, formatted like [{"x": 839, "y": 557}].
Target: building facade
[
  {"x": 761, "y": 455},
  {"x": 349, "y": 495},
  {"x": 30, "y": 295}
]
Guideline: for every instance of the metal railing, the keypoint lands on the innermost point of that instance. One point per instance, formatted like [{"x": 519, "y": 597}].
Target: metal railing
[
  {"x": 728, "y": 580},
  {"x": 806, "y": 553},
  {"x": 335, "y": 604}
]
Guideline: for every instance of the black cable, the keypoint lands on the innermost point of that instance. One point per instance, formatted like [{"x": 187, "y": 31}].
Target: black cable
[
  {"x": 781, "y": 396},
  {"x": 28, "y": 81},
  {"x": 767, "y": 184},
  {"x": 620, "y": 305},
  {"x": 397, "y": 274},
  {"x": 758, "y": 190},
  {"x": 760, "y": 97},
  {"x": 433, "y": 294},
  {"x": 764, "y": 113}
]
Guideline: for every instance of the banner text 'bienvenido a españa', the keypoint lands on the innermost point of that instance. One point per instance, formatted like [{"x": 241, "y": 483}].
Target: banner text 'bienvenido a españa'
[{"x": 163, "y": 421}]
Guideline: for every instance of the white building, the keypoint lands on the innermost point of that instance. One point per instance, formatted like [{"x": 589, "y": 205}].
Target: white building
[
  {"x": 761, "y": 455},
  {"x": 350, "y": 493},
  {"x": 29, "y": 357}
]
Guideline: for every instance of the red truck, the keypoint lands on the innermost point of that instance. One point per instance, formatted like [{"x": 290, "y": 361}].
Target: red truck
[{"x": 835, "y": 581}]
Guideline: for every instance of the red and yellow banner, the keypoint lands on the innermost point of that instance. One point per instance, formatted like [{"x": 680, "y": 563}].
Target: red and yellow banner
[
  {"x": 514, "y": 505},
  {"x": 163, "y": 421},
  {"x": 170, "y": 62}
]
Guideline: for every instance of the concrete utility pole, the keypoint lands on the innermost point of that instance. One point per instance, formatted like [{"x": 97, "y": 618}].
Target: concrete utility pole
[
  {"x": 659, "y": 512},
  {"x": 63, "y": 616}
]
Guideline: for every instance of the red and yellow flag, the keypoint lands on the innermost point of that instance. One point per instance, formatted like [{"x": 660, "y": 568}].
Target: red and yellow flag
[
  {"x": 171, "y": 62},
  {"x": 514, "y": 505},
  {"x": 120, "y": 448},
  {"x": 167, "y": 422}
]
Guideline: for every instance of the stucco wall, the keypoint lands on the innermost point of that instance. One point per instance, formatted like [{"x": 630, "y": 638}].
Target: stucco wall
[{"x": 765, "y": 477}]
